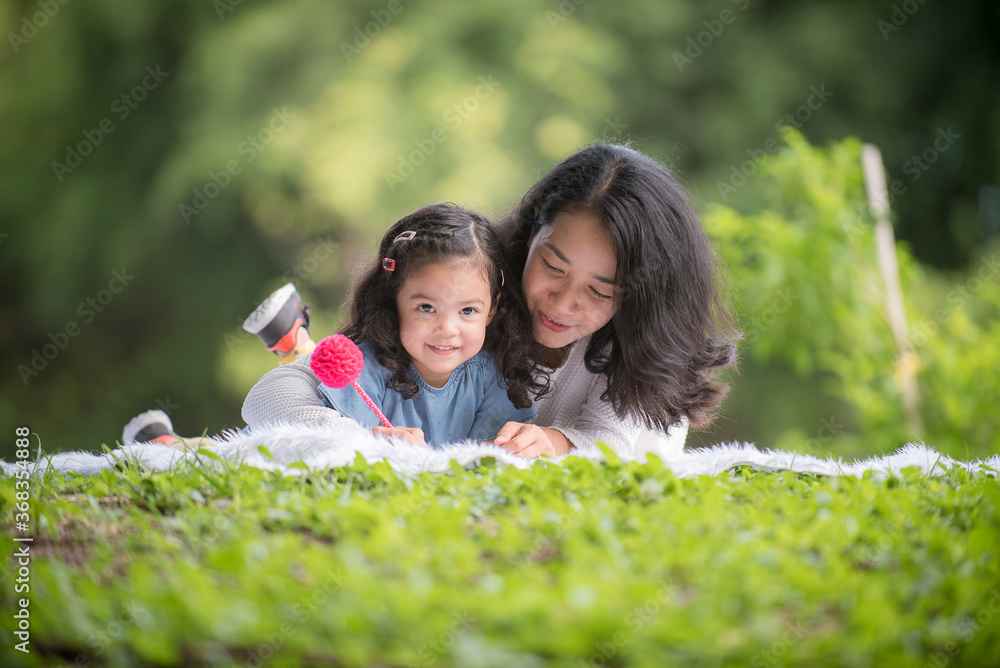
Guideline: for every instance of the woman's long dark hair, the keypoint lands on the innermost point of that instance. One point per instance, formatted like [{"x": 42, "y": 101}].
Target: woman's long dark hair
[
  {"x": 672, "y": 327},
  {"x": 445, "y": 233}
]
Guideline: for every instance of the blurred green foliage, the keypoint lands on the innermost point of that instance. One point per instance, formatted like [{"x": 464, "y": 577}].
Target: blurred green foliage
[
  {"x": 811, "y": 295},
  {"x": 298, "y": 131}
]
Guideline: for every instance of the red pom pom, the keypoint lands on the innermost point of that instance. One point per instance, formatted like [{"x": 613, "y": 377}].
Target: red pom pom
[{"x": 337, "y": 361}]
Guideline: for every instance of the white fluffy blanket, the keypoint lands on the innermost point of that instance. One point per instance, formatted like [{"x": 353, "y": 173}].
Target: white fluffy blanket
[{"x": 320, "y": 448}]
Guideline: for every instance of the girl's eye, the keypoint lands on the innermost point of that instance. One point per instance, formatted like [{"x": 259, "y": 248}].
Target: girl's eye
[
  {"x": 425, "y": 308},
  {"x": 469, "y": 310},
  {"x": 600, "y": 295}
]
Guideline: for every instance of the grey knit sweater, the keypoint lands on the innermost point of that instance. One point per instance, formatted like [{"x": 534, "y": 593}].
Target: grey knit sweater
[{"x": 574, "y": 406}]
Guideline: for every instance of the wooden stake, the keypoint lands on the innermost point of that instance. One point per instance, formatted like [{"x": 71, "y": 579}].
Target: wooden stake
[{"x": 885, "y": 244}]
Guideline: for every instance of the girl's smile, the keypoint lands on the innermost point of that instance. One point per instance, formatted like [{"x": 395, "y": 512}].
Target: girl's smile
[{"x": 443, "y": 313}]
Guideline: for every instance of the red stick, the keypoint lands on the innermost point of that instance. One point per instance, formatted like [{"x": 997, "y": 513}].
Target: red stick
[{"x": 371, "y": 404}]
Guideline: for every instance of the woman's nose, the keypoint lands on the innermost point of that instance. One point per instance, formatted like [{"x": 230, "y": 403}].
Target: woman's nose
[{"x": 564, "y": 299}]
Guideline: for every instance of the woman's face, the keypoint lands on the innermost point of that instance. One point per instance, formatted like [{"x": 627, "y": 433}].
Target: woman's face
[{"x": 569, "y": 279}]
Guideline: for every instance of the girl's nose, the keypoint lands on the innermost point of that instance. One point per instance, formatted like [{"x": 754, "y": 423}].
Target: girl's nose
[{"x": 447, "y": 325}]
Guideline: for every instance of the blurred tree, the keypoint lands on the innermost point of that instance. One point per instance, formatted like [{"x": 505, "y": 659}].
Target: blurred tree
[
  {"x": 210, "y": 151},
  {"x": 811, "y": 296}
]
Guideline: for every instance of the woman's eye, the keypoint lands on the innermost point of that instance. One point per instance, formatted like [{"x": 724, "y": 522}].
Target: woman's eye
[
  {"x": 425, "y": 308},
  {"x": 549, "y": 267},
  {"x": 600, "y": 295}
]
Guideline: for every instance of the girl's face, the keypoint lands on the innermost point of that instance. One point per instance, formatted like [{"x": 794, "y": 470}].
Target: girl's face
[
  {"x": 568, "y": 279},
  {"x": 443, "y": 313}
]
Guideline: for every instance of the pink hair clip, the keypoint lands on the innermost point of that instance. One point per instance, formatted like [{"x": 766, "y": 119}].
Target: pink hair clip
[{"x": 388, "y": 263}]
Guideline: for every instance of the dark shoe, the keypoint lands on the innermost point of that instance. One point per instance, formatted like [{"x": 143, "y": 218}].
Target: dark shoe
[
  {"x": 282, "y": 323},
  {"x": 152, "y": 425}
]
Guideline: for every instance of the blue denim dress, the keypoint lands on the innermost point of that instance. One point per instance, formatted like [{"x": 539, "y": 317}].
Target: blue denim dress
[{"x": 473, "y": 404}]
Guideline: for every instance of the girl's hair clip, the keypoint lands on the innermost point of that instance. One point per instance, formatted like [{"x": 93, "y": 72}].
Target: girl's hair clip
[
  {"x": 405, "y": 236},
  {"x": 501, "y": 278},
  {"x": 389, "y": 264}
]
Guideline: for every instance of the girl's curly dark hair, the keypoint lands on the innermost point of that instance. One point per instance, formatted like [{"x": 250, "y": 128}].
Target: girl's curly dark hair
[
  {"x": 672, "y": 327},
  {"x": 443, "y": 233}
]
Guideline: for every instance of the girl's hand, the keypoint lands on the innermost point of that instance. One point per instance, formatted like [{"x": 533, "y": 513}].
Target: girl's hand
[
  {"x": 411, "y": 434},
  {"x": 530, "y": 440}
]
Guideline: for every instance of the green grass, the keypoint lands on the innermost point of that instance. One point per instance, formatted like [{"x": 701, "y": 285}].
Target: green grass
[{"x": 572, "y": 565}]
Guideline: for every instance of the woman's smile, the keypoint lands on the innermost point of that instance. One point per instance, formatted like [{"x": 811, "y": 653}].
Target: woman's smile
[{"x": 552, "y": 324}]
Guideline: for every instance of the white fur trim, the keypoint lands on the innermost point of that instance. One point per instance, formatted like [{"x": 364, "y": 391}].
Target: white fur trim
[{"x": 321, "y": 448}]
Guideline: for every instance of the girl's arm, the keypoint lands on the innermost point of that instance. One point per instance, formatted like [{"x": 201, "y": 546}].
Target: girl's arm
[{"x": 290, "y": 395}]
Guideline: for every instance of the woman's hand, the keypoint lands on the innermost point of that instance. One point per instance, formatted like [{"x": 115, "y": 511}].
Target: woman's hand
[
  {"x": 530, "y": 440},
  {"x": 411, "y": 434}
]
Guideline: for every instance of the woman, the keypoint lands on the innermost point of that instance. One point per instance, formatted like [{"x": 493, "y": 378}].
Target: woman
[{"x": 624, "y": 294}]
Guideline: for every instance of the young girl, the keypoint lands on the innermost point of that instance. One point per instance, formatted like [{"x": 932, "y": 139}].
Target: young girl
[{"x": 446, "y": 343}]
